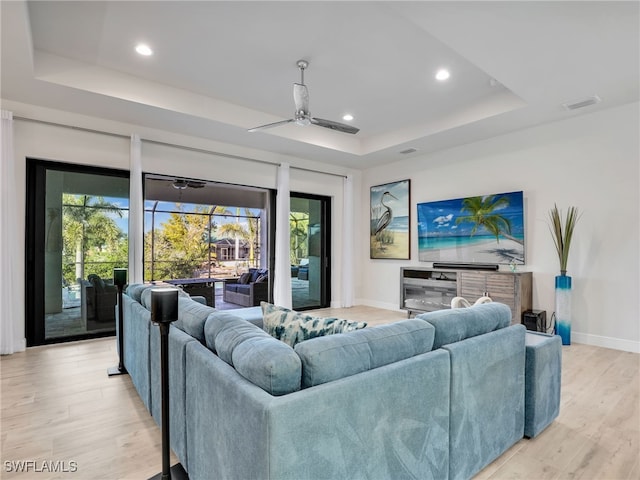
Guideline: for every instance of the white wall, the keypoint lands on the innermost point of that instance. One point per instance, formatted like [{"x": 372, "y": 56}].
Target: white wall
[
  {"x": 61, "y": 144},
  {"x": 590, "y": 161}
]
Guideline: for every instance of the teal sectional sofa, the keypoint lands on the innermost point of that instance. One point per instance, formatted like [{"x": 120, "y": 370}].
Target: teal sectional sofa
[{"x": 439, "y": 396}]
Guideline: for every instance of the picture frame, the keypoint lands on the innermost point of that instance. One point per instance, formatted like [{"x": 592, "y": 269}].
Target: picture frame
[{"x": 390, "y": 220}]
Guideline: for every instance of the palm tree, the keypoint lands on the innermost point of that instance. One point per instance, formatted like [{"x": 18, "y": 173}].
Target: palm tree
[
  {"x": 243, "y": 231},
  {"x": 298, "y": 226},
  {"x": 86, "y": 225},
  {"x": 481, "y": 213}
]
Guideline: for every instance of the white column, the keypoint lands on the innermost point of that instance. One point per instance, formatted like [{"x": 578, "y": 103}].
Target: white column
[
  {"x": 347, "y": 243},
  {"x": 10, "y": 305},
  {"x": 136, "y": 212},
  {"x": 282, "y": 274}
]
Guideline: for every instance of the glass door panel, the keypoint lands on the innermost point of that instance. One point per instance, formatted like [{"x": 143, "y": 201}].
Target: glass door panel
[
  {"x": 308, "y": 223},
  {"x": 78, "y": 229}
]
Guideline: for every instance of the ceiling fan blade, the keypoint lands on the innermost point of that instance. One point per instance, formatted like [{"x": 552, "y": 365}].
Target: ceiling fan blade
[
  {"x": 340, "y": 127},
  {"x": 301, "y": 98},
  {"x": 270, "y": 125}
]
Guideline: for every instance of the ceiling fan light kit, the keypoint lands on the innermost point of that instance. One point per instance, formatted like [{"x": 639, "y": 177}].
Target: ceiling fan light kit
[
  {"x": 302, "y": 115},
  {"x": 181, "y": 184}
]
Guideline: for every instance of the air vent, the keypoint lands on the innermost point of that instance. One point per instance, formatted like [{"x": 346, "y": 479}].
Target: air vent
[
  {"x": 408, "y": 150},
  {"x": 584, "y": 102}
]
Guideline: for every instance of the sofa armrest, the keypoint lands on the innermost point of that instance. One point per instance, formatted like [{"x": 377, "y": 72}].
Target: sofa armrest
[{"x": 489, "y": 369}]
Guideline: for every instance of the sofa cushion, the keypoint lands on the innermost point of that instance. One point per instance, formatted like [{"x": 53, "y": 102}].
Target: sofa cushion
[
  {"x": 192, "y": 317},
  {"x": 244, "y": 278},
  {"x": 258, "y": 357},
  {"x": 262, "y": 278},
  {"x": 231, "y": 287},
  {"x": 135, "y": 291},
  {"x": 145, "y": 293},
  {"x": 457, "y": 324},
  {"x": 244, "y": 289},
  {"x": 336, "y": 356},
  {"x": 97, "y": 282},
  {"x": 256, "y": 272},
  {"x": 292, "y": 327},
  {"x": 250, "y": 314}
]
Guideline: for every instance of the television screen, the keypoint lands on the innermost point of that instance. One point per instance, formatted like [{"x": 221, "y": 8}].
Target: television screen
[{"x": 485, "y": 229}]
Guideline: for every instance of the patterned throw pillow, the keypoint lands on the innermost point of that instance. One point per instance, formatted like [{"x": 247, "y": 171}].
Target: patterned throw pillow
[
  {"x": 262, "y": 278},
  {"x": 293, "y": 327}
]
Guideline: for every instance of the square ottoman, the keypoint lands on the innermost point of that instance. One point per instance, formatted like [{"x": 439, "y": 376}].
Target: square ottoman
[{"x": 543, "y": 367}]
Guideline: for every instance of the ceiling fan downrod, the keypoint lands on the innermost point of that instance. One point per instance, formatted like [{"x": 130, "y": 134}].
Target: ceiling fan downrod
[{"x": 302, "y": 65}]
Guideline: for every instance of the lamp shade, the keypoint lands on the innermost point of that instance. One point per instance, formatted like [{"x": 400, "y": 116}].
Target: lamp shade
[
  {"x": 120, "y": 277},
  {"x": 164, "y": 305}
]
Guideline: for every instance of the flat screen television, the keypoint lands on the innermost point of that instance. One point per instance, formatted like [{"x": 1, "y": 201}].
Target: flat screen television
[{"x": 487, "y": 229}]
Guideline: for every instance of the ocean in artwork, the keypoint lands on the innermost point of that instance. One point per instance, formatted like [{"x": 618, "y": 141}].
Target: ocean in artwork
[{"x": 435, "y": 243}]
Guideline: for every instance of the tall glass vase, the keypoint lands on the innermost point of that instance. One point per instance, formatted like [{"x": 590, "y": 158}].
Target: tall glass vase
[{"x": 563, "y": 308}]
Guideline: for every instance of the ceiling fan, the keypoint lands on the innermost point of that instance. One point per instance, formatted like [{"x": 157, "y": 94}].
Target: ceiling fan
[
  {"x": 181, "y": 184},
  {"x": 302, "y": 116}
]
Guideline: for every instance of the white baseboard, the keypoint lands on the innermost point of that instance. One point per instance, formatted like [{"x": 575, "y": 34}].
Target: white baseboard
[
  {"x": 606, "y": 342},
  {"x": 383, "y": 305}
]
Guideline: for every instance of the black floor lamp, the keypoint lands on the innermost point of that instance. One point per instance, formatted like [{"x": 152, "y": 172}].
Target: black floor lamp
[
  {"x": 119, "y": 280},
  {"x": 164, "y": 310}
]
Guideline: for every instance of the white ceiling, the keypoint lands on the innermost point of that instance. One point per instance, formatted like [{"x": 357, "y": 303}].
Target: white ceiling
[{"x": 220, "y": 68}]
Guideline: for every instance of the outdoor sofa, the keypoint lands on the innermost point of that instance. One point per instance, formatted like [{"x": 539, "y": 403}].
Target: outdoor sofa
[{"x": 249, "y": 289}]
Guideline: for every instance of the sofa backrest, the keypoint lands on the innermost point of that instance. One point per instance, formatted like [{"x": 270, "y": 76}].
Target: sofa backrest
[
  {"x": 191, "y": 314},
  {"x": 192, "y": 317},
  {"x": 332, "y": 357},
  {"x": 266, "y": 362},
  {"x": 454, "y": 325},
  {"x": 136, "y": 290}
]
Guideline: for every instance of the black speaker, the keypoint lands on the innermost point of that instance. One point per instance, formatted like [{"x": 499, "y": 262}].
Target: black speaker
[
  {"x": 466, "y": 266},
  {"x": 535, "y": 320},
  {"x": 164, "y": 305}
]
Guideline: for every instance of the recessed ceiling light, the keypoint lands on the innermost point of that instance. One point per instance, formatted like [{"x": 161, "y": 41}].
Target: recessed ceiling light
[
  {"x": 144, "y": 49},
  {"x": 347, "y": 117},
  {"x": 442, "y": 74}
]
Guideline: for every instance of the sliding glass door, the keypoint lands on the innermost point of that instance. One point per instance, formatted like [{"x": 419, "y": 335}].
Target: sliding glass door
[
  {"x": 77, "y": 233},
  {"x": 310, "y": 250}
]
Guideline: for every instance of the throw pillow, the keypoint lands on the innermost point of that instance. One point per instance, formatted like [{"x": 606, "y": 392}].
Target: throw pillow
[
  {"x": 245, "y": 278},
  {"x": 262, "y": 278},
  {"x": 293, "y": 327}
]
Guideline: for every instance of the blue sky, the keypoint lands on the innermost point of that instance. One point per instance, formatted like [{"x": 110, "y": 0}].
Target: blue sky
[{"x": 439, "y": 218}]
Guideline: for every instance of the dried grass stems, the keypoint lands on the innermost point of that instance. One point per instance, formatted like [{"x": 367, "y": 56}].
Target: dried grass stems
[{"x": 563, "y": 233}]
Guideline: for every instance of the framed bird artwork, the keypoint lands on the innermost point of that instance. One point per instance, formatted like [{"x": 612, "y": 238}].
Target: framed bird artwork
[{"x": 390, "y": 220}]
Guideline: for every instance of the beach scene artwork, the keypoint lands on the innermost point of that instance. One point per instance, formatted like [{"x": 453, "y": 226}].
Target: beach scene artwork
[
  {"x": 482, "y": 229},
  {"x": 390, "y": 220}
]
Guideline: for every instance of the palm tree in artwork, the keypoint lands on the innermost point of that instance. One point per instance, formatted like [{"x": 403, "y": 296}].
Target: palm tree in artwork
[{"x": 481, "y": 212}]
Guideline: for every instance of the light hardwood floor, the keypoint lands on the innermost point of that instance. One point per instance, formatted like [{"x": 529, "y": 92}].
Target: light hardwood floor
[{"x": 58, "y": 404}]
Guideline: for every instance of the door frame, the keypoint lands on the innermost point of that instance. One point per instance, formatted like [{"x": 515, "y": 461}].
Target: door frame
[
  {"x": 325, "y": 248},
  {"x": 35, "y": 221}
]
